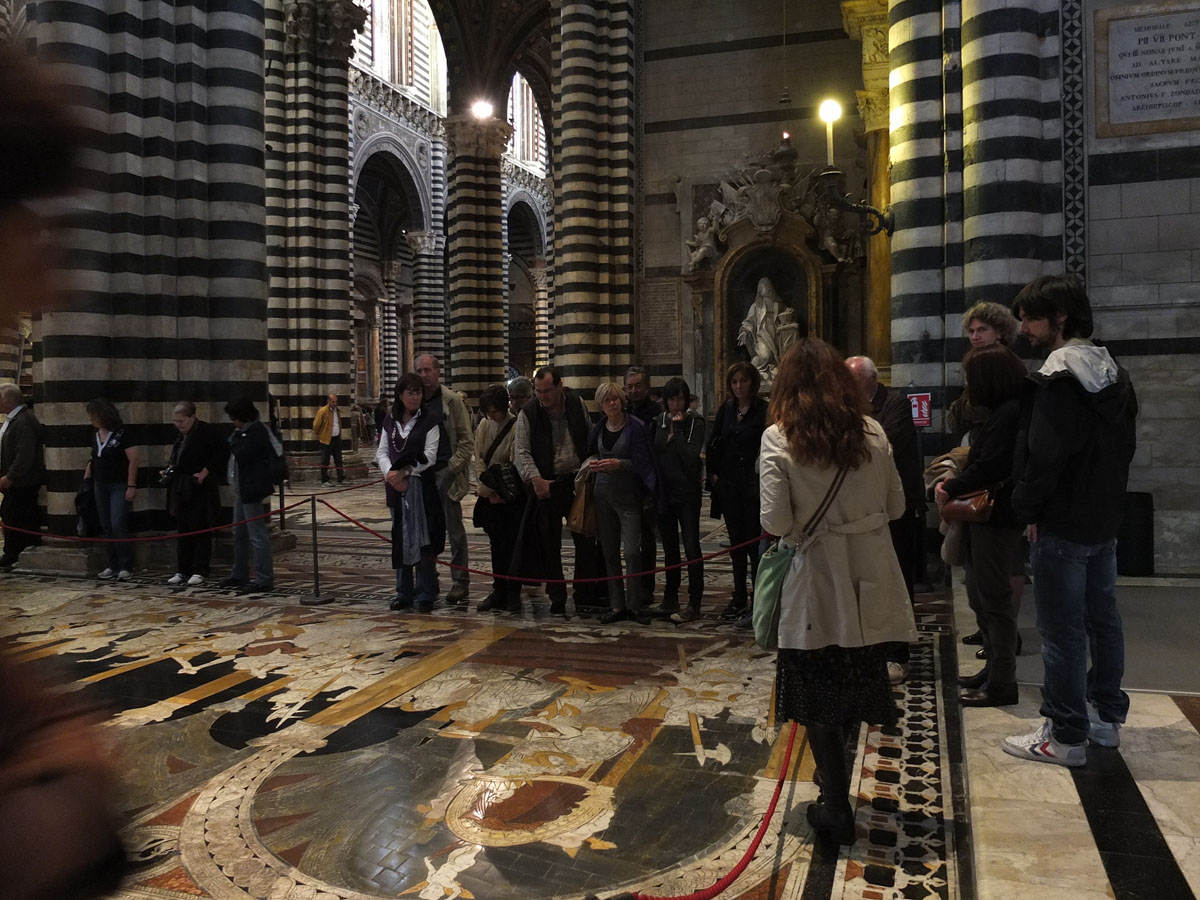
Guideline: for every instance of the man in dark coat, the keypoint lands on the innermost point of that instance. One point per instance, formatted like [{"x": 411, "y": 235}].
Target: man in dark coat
[
  {"x": 1070, "y": 469},
  {"x": 892, "y": 410},
  {"x": 22, "y": 471}
]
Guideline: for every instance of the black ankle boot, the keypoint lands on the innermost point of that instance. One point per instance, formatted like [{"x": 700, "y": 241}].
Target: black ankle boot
[{"x": 833, "y": 823}]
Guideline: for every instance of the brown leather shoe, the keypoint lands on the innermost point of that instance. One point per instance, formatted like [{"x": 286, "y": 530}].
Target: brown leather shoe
[
  {"x": 973, "y": 682},
  {"x": 990, "y": 697}
]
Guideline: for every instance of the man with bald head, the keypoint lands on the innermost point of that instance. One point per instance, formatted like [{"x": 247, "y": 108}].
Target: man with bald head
[
  {"x": 891, "y": 409},
  {"x": 452, "y": 469}
]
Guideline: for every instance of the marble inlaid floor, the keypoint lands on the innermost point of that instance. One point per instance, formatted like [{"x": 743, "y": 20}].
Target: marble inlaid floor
[{"x": 274, "y": 750}]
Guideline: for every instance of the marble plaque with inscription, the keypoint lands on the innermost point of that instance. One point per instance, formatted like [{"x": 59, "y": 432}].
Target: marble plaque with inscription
[
  {"x": 1147, "y": 69},
  {"x": 659, "y": 320}
]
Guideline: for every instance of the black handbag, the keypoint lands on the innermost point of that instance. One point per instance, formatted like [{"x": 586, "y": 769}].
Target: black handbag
[
  {"x": 503, "y": 478},
  {"x": 87, "y": 522}
]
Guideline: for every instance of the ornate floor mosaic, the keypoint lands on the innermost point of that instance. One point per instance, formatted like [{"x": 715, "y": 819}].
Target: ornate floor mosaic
[{"x": 272, "y": 750}]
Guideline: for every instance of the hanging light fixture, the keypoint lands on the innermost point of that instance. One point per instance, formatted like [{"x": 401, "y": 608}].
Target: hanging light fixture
[{"x": 785, "y": 98}]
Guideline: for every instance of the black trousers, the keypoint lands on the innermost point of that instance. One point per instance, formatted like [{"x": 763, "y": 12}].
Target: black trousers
[
  {"x": 501, "y": 523},
  {"x": 197, "y": 512},
  {"x": 649, "y": 557},
  {"x": 541, "y": 553},
  {"x": 990, "y": 551},
  {"x": 906, "y": 539},
  {"x": 739, "y": 506},
  {"x": 19, "y": 508},
  {"x": 682, "y": 520},
  {"x": 332, "y": 449}
]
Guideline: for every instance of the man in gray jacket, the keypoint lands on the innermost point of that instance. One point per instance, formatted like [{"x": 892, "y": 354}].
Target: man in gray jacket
[{"x": 23, "y": 471}]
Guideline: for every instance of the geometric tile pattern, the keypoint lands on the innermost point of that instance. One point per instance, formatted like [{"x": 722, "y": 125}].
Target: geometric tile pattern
[{"x": 1074, "y": 139}]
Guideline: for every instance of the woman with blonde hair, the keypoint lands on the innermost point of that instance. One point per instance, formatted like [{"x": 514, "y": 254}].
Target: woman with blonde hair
[
  {"x": 829, "y": 487},
  {"x": 621, "y": 459}
]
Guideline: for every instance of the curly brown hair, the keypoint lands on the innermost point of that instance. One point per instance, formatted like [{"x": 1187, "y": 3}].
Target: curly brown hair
[{"x": 819, "y": 406}]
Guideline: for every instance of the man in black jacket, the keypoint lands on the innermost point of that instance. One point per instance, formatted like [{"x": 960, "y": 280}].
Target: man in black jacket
[
  {"x": 549, "y": 444},
  {"x": 1071, "y": 467},
  {"x": 892, "y": 410},
  {"x": 22, "y": 471}
]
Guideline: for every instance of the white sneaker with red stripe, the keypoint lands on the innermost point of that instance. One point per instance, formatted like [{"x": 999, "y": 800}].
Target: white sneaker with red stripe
[{"x": 1040, "y": 746}]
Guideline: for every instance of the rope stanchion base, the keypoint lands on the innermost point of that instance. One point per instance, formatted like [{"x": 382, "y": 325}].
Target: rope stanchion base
[{"x": 317, "y": 600}]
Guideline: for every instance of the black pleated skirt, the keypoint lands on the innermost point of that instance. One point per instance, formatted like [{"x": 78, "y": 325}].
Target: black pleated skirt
[{"x": 834, "y": 686}]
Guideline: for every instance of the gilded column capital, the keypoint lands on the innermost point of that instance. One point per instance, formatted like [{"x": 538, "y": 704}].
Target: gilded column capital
[
  {"x": 325, "y": 28},
  {"x": 478, "y": 138}
]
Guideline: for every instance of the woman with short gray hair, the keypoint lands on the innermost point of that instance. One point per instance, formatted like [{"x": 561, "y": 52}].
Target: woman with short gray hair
[{"x": 622, "y": 462}]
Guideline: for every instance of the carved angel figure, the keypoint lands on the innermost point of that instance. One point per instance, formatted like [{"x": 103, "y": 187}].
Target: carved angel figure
[{"x": 704, "y": 244}]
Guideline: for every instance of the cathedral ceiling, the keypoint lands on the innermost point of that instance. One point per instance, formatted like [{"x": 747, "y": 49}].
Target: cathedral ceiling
[{"x": 487, "y": 41}]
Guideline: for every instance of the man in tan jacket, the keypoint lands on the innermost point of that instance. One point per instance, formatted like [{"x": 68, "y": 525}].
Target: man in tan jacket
[
  {"x": 453, "y": 474},
  {"x": 328, "y": 426}
]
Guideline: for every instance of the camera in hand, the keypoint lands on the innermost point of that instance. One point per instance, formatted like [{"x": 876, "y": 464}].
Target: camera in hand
[{"x": 166, "y": 476}]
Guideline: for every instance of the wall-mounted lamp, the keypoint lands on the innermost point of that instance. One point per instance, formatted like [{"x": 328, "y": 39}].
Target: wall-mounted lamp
[
  {"x": 482, "y": 109},
  {"x": 831, "y": 183}
]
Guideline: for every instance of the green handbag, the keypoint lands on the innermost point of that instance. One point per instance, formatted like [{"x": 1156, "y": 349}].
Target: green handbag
[{"x": 773, "y": 569}]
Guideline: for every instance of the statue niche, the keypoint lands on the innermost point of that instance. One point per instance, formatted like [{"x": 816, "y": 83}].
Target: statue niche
[
  {"x": 770, "y": 327},
  {"x": 766, "y": 309}
]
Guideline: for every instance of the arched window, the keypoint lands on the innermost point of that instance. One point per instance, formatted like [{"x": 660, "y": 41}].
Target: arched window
[
  {"x": 401, "y": 45},
  {"x": 528, "y": 143}
]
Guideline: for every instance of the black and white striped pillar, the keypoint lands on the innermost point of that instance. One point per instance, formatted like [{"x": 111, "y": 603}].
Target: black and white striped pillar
[
  {"x": 166, "y": 244},
  {"x": 429, "y": 293},
  {"x": 307, "y": 198},
  {"x": 476, "y": 274},
  {"x": 594, "y": 188}
]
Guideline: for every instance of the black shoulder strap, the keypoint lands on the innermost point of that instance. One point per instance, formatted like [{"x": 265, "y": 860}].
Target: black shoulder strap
[
  {"x": 823, "y": 508},
  {"x": 504, "y": 429}
]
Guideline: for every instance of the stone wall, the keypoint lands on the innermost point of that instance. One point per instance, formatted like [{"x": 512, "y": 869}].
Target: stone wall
[
  {"x": 1143, "y": 277},
  {"x": 711, "y": 79}
]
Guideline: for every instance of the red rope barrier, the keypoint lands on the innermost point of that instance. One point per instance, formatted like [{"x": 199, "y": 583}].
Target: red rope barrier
[
  {"x": 605, "y": 578},
  {"x": 353, "y": 521},
  {"x": 729, "y": 878},
  {"x": 148, "y": 538}
]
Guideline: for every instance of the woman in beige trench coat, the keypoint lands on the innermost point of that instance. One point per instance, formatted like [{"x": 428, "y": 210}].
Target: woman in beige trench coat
[{"x": 844, "y": 596}]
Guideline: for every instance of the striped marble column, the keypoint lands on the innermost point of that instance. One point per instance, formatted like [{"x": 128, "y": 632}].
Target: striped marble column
[
  {"x": 165, "y": 245},
  {"x": 920, "y": 245},
  {"x": 389, "y": 349},
  {"x": 595, "y": 182},
  {"x": 474, "y": 232},
  {"x": 10, "y": 352},
  {"x": 429, "y": 293},
  {"x": 541, "y": 314},
  {"x": 308, "y": 197},
  {"x": 1012, "y": 169},
  {"x": 439, "y": 196}
]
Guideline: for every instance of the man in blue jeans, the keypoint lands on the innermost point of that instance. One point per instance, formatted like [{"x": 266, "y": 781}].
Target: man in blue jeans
[{"x": 1071, "y": 468}]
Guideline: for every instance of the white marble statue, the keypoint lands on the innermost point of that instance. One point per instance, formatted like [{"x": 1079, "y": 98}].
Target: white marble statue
[{"x": 768, "y": 330}]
